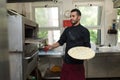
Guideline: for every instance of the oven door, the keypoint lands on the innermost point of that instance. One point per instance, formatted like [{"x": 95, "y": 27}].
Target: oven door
[{"x": 29, "y": 64}]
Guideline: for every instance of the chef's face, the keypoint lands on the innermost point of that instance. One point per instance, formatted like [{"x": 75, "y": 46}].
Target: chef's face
[{"x": 75, "y": 18}]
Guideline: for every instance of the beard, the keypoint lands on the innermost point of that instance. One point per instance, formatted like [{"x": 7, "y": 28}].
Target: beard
[{"x": 74, "y": 22}]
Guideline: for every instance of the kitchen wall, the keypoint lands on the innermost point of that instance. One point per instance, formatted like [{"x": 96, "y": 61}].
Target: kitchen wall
[{"x": 109, "y": 15}]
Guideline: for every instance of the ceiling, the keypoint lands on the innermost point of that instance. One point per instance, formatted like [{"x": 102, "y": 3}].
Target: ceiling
[{"x": 20, "y": 1}]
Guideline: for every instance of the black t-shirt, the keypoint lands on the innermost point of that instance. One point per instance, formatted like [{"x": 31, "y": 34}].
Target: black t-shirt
[{"x": 74, "y": 36}]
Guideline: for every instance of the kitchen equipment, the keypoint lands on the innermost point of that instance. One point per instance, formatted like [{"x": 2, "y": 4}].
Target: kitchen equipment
[
  {"x": 81, "y": 53},
  {"x": 105, "y": 49},
  {"x": 118, "y": 45},
  {"x": 23, "y": 45},
  {"x": 45, "y": 48}
]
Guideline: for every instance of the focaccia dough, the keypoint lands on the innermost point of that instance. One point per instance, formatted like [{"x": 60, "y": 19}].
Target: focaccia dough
[{"x": 81, "y": 53}]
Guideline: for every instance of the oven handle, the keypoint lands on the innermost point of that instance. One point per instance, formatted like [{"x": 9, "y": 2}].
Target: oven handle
[{"x": 30, "y": 57}]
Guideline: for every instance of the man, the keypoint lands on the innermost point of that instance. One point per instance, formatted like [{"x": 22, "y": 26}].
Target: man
[{"x": 73, "y": 36}]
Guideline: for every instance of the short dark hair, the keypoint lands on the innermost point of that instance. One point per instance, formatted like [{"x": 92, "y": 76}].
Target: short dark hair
[{"x": 76, "y": 10}]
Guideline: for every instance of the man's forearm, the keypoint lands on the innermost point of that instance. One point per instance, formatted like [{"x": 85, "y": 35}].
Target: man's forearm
[{"x": 55, "y": 45}]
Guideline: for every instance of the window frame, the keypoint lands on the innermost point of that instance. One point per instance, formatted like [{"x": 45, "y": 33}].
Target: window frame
[
  {"x": 100, "y": 28},
  {"x": 49, "y": 4}
]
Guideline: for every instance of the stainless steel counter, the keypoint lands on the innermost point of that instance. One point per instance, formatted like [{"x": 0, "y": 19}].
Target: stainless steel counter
[
  {"x": 108, "y": 51},
  {"x": 51, "y": 53},
  {"x": 103, "y": 65},
  {"x": 61, "y": 53}
]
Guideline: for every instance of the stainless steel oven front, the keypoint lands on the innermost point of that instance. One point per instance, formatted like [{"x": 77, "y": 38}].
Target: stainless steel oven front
[{"x": 23, "y": 52}]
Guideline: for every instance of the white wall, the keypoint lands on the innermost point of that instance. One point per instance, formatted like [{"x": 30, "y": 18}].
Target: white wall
[
  {"x": 22, "y": 8},
  {"x": 109, "y": 15}
]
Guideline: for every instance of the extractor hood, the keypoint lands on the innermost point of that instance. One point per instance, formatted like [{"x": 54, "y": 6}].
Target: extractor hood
[
  {"x": 18, "y": 1},
  {"x": 116, "y": 3}
]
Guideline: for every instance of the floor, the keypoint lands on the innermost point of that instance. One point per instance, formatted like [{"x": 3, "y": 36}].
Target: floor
[
  {"x": 93, "y": 79},
  {"x": 104, "y": 79}
]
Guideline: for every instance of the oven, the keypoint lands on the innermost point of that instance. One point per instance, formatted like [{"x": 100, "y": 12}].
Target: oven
[{"x": 23, "y": 45}]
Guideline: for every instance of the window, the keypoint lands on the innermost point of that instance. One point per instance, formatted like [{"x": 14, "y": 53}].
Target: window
[
  {"x": 48, "y": 21},
  {"x": 91, "y": 18},
  {"x": 91, "y": 15},
  {"x": 118, "y": 35},
  {"x": 51, "y": 35},
  {"x": 47, "y": 17},
  {"x": 95, "y": 36},
  {"x": 118, "y": 18}
]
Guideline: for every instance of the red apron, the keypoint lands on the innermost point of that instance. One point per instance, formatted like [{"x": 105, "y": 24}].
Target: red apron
[{"x": 72, "y": 72}]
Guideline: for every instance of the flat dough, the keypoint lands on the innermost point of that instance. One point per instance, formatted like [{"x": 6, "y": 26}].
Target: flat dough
[{"x": 81, "y": 53}]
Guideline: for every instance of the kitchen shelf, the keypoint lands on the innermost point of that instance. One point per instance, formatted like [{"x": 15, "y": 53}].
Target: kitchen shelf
[
  {"x": 112, "y": 31},
  {"x": 52, "y": 57},
  {"x": 51, "y": 75},
  {"x": 35, "y": 41}
]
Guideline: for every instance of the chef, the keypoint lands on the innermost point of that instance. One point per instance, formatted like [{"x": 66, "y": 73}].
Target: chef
[{"x": 76, "y": 35}]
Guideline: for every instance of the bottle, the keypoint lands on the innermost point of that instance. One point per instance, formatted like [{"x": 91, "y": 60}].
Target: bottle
[
  {"x": 114, "y": 24},
  {"x": 33, "y": 78},
  {"x": 109, "y": 45}
]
